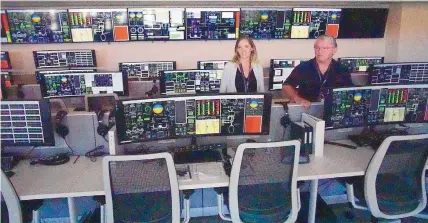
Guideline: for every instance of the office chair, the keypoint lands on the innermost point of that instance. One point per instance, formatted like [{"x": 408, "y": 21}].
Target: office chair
[
  {"x": 394, "y": 184},
  {"x": 142, "y": 188},
  {"x": 12, "y": 209},
  {"x": 263, "y": 183}
]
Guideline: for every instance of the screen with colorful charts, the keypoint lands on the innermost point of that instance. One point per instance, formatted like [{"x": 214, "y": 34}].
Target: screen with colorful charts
[
  {"x": 81, "y": 84},
  {"x": 212, "y": 64},
  {"x": 190, "y": 81},
  {"x": 39, "y": 26},
  {"x": 166, "y": 118},
  {"x": 212, "y": 23},
  {"x": 156, "y": 24},
  {"x": 314, "y": 22},
  {"x": 64, "y": 59},
  {"x": 145, "y": 70},
  {"x": 26, "y": 123},
  {"x": 5, "y": 60},
  {"x": 375, "y": 105},
  {"x": 266, "y": 23},
  {"x": 398, "y": 73},
  {"x": 359, "y": 64}
]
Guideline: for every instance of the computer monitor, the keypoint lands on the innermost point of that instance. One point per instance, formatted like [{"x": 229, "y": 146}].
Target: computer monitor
[
  {"x": 178, "y": 82},
  {"x": 5, "y": 60},
  {"x": 363, "y": 22},
  {"x": 265, "y": 23},
  {"x": 175, "y": 117},
  {"x": 359, "y": 64},
  {"x": 64, "y": 59},
  {"x": 399, "y": 73},
  {"x": 145, "y": 70},
  {"x": 5, "y": 32},
  {"x": 80, "y": 84},
  {"x": 314, "y": 22},
  {"x": 26, "y": 123},
  {"x": 212, "y": 64},
  {"x": 279, "y": 71},
  {"x": 212, "y": 23},
  {"x": 375, "y": 105},
  {"x": 156, "y": 24}
]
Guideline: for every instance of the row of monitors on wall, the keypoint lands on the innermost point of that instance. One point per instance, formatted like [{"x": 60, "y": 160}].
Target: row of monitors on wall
[
  {"x": 139, "y": 24},
  {"x": 26, "y": 123},
  {"x": 375, "y": 105},
  {"x": 175, "y": 117}
]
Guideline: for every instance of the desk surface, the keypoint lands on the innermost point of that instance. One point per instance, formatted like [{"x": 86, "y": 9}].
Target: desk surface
[{"x": 84, "y": 178}]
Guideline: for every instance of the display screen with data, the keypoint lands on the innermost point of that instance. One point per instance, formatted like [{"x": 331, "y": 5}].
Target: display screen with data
[
  {"x": 80, "y": 84},
  {"x": 266, "y": 23},
  {"x": 145, "y": 70},
  {"x": 25, "y": 123},
  {"x": 359, "y": 64},
  {"x": 279, "y": 71},
  {"x": 399, "y": 73},
  {"x": 174, "y": 117},
  {"x": 64, "y": 59},
  {"x": 374, "y": 105},
  {"x": 190, "y": 81},
  {"x": 314, "y": 22},
  {"x": 212, "y": 64},
  {"x": 5, "y": 60},
  {"x": 212, "y": 23}
]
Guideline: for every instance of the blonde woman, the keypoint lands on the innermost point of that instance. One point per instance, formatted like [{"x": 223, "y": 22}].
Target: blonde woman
[{"x": 244, "y": 74}]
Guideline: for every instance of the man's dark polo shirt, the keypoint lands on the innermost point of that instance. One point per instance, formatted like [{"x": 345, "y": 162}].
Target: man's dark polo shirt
[{"x": 307, "y": 76}]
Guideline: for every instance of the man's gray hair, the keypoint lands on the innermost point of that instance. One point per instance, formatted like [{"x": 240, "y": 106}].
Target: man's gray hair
[{"x": 327, "y": 37}]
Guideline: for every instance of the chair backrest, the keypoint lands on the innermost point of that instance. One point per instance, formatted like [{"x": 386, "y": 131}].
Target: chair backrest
[
  {"x": 141, "y": 188},
  {"x": 263, "y": 182},
  {"x": 11, "y": 200},
  {"x": 394, "y": 184}
]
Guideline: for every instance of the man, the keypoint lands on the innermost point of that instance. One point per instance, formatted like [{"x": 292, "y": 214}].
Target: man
[{"x": 304, "y": 84}]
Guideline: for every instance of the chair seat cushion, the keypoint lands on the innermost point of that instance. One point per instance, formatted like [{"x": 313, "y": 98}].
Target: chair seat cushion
[{"x": 264, "y": 202}]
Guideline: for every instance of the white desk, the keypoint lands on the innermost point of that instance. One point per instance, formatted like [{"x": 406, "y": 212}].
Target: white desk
[{"x": 84, "y": 178}]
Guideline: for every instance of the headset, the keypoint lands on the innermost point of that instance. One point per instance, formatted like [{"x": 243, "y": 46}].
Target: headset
[
  {"x": 61, "y": 129},
  {"x": 102, "y": 128},
  {"x": 285, "y": 120}
]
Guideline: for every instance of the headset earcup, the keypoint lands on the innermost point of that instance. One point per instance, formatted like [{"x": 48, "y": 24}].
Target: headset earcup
[
  {"x": 102, "y": 130},
  {"x": 62, "y": 130}
]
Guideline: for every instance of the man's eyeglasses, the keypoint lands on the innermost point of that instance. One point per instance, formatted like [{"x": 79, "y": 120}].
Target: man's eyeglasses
[{"x": 322, "y": 48}]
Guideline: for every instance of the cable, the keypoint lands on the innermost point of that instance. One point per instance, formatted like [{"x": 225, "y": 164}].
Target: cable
[
  {"x": 105, "y": 139},
  {"x": 72, "y": 151},
  {"x": 96, "y": 152},
  {"x": 29, "y": 153}
]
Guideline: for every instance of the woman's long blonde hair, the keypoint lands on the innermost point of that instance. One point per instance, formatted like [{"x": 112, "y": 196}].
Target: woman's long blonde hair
[{"x": 253, "y": 56}]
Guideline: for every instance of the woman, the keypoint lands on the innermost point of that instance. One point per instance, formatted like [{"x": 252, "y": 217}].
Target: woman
[{"x": 244, "y": 74}]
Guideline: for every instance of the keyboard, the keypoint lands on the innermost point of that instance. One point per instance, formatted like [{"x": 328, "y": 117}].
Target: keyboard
[
  {"x": 199, "y": 154},
  {"x": 373, "y": 138}
]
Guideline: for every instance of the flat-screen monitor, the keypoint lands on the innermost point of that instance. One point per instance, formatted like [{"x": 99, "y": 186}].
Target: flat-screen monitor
[
  {"x": 359, "y": 64},
  {"x": 175, "y": 117},
  {"x": 26, "y": 123},
  {"x": 314, "y": 22},
  {"x": 156, "y": 24},
  {"x": 39, "y": 26},
  {"x": 81, "y": 84},
  {"x": 5, "y": 60},
  {"x": 178, "y": 82},
  {"x": 363, "y": 23},
  {"x": 64, "y": 59},
  {"x": 375, "y": 105},
  {"x": 279, "y": 71},
  {"x": 399, "y": 73},
  {"x": 145, "y": 70},
  {"x": 265, "y": 23},
  {"x": 212, "y": 64},
  {"x": 212, "y": 23}
]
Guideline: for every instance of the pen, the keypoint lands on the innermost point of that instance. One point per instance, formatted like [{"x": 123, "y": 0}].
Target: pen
[{"x": 76, "y": 159}]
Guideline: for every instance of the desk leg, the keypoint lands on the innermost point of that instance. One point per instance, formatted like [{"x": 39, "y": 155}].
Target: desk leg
[
  {"x": 313, "y": 201},
  {"x": 72, "y": 210}
]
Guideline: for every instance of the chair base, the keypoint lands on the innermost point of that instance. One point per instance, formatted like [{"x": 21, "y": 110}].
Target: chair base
[{"x": 323, "y": 210}]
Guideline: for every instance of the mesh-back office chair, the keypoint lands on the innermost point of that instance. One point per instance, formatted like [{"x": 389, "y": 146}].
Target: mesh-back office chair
[
  {"x": 141, "y": 188},
  {"x": 394, "y": 184},
  {"x": 263, "y": 183}
]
